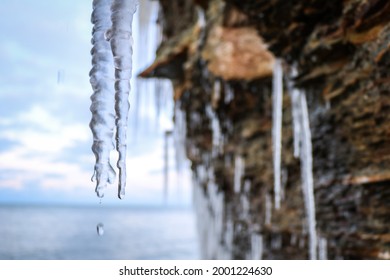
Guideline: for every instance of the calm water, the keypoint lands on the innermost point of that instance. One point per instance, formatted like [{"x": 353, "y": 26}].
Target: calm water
[{"x": 70, "y": 233}]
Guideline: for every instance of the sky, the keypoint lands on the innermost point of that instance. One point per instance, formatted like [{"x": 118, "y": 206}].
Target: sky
[{"x": 45, "y": 140}]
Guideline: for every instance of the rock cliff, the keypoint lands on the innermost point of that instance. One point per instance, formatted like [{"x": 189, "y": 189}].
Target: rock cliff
[{"x": 220, "y": 56}]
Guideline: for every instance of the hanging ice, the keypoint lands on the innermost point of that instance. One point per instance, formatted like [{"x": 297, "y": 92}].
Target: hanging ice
[
  {"x": 307, "y": 177},
  {"x": 167, "y": 134},
  {"x": 229, "y": 94},
  {"x": 256, "y": 246},
  {"x": 102, "y": 108},
  {"x": 268, "y": 209},
  {"x": 303, "y": 149},
  {"x": 114, "y": 26},
  {"x": 216, "y": 130},
  {"x": 277, "y": 101},
  {"x": 216, "y": 94},
  {"x": 179, "y": 134},
  {"x": 296, "y": 113},
  {"x": 239, "y": 166},
  {"x": 322, "y": 248},
  {"x": 120, "y": 36}
]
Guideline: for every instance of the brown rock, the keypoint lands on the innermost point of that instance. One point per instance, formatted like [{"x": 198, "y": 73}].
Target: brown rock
[{"x": 237, "y": 54}]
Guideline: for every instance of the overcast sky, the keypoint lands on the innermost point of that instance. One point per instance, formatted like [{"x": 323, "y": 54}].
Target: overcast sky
[{"x": 45, "y": 154}]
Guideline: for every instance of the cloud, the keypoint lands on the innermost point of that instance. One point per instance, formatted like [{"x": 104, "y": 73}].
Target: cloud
[
  {"x": 43, "y": 170},
  {"x": 38, "y": 130},
  {"x": 39, "y": 139}
]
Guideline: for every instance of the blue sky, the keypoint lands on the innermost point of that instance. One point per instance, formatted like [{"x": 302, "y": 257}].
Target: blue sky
[{"x": 45, "y": 154}]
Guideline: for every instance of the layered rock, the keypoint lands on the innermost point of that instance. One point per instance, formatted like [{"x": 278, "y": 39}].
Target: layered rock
[{"x": 219, "y": 56}]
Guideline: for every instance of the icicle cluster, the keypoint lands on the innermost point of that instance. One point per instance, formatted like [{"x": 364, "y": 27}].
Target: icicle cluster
[
  {"x": 303, "y": 149},
  {"x": 216, "y": 234},
  {"x": 277, "y": 100},
  {"x": 112, "y": 20}
]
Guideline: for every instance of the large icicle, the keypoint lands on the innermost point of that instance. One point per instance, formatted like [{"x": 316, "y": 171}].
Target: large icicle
[
  {"x": 120, "y": 36},
  {"x": 277, "y": 96},
  {"x": 101, "y": 77},
  {"x": 307, "y": 177}
]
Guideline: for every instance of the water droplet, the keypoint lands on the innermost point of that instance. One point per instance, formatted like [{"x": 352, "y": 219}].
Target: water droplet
[
  {"x": 100, "y": 229},
  {"x": 99, "y": 193}
]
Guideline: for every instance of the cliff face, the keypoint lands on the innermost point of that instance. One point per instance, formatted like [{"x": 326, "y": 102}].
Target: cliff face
[{"x": 219, "y": 56}]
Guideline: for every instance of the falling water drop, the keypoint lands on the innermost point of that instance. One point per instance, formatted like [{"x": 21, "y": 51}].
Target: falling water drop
[{"x": 100, "y": 229}]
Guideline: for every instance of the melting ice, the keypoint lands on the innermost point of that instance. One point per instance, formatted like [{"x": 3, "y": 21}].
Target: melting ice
[
  {"x": 112, "y": 49},
  {"x": 101, "y": 77}
]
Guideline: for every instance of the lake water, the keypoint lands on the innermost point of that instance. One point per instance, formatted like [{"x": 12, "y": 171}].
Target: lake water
[{"x": 36, "y": 232}]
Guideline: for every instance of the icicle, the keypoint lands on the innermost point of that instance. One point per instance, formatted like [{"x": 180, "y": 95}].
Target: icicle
[
  {"x": 257, "y": 246},
  {"x": 268, "y": 209},
  {"x": 179, "y": 136},
  {"x": 307, "y": 177},
  {"x": 296, "y": 109},
  {"x": 277, "y": 96},
  {"x": 239, "y": 166},
  {"x": 216, "y": 130},
  {"x": 216, "y": 94},
  {"x": 229, "y": 236},
  {"x": 101, "y": 77},
  {"x": 245, "y": 205},
  {"x": 295, "y": 97},
  {"x": 322, "y": 248},
  {"x": 120, "y": 36},
  {"x": 167, "y": 134},
  {"x": 201, "y": 17},
  {"x": 229, "y": 94},
  {"x": 303, "y": 148},
  {"x": 157, "y": 97}
]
